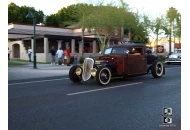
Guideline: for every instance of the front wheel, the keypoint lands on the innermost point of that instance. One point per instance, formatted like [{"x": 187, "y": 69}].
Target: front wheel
[
  {"x": 103, "y": 75},
  {"x": 72, "y": 74},
  {"x": 157, "y": 69}
]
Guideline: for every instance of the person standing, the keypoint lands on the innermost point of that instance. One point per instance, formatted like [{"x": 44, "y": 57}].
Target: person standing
[
  {"x": 9, "y": 52},
  {"x": 53, "y": 53},
  {"x": 75, "y": 58},
  {"x": 65, "y": 57},
  {"x": 60, "y": 55},
  {"x": 29, "y": 54},
  {"x": 68, "y": 55}
]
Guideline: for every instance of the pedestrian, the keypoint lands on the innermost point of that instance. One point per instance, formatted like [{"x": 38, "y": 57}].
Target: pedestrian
[
  {"x": 68, "y": 55},
  {"x": 29, "y": 54},
  {"x": 75, "y": 58},
  {"x": 53, "y": 53},
  {"x": 9, "y": 52},
  {"x": 65, "y": 57},
  {"x": 59, "y": 54}
]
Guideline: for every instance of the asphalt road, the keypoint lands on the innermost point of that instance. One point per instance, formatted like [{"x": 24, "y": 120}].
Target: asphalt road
[{"x": 58, "y": 104}]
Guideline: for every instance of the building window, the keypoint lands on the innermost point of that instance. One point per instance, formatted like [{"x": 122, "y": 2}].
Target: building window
[{"x": 39, "y": 47}]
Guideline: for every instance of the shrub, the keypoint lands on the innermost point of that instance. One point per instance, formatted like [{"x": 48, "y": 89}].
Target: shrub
[
  {"x": 71, "y": 59},
  {"x": 162, "y": 57},
  {"x": 81, "y": 60}
]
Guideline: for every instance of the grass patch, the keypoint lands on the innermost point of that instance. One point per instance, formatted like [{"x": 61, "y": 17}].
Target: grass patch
[
  {"x": 21, "y": 60},
  {"x": 43, "y": 62},
  {"x": 10, "y": 64}
]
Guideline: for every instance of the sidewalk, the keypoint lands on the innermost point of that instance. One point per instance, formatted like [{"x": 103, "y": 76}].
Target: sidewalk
[{"x": 42, "y": 71}]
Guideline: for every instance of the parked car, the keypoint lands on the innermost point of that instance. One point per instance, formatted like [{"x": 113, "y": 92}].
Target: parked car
[
  {"x": 124, "y": 60},
  {"x": 174, "y": 57}
]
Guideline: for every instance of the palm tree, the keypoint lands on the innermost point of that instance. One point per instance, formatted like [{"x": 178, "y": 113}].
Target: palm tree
[
  {"x": 171, "y": 15},
  {"x": 178, "y": 33}
]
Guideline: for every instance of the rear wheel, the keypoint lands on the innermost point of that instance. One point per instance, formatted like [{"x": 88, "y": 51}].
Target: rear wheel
[
  {"x": 103, "y": 76},
  {"x": 73, "y": 76},
  {"x": 157, "y": 69}
]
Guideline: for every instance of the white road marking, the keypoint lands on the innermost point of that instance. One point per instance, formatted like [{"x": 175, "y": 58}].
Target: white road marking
[
  {"x": 37, "y": 81},
  {"x": 103, "y": 89}
]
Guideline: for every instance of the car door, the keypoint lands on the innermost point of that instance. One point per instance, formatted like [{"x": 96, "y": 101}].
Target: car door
[{"x": 136, "y": 62}]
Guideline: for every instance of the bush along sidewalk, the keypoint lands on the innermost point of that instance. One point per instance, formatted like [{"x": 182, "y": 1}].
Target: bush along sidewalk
[
  {"x": 81, "y": 60},
  {"x": 162, "y": 57}
]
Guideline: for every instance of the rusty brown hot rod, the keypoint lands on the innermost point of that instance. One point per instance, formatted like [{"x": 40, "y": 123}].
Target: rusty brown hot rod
[{"x": 123, "y": 60}]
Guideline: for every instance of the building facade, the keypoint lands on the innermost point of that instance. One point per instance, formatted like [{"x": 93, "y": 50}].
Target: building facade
[{"x": 20, "y": 37}]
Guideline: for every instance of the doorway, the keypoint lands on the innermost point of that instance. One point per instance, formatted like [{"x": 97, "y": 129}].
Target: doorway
[{"x": 16, "y": 51}]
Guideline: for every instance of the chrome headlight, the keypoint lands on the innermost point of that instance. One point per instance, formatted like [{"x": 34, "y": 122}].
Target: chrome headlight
[
  {"x": 78, "y": 71},
  {"x": 93, "y": 72}
]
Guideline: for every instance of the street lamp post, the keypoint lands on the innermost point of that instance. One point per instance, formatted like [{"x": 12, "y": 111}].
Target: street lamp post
[{"x": 30, "y": 15}]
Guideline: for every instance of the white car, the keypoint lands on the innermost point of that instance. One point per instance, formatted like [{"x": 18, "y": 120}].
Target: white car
[{"x": 174, "y": 57}]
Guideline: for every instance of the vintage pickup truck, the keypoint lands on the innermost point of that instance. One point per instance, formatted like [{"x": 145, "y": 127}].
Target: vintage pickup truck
[{"x": 123, "y": 60}]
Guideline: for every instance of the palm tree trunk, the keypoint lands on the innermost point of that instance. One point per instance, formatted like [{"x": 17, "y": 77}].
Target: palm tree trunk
[
  {"x": 83, "y": 41},
  {"x": 156, "y": 42},
  {"x": 170, "y": 38}
]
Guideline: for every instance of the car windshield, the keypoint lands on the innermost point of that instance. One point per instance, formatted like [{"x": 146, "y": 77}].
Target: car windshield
[
  {"x": 178, "y": 51},
  {"x": 107, "y": 51},
  {"x": 115, "y": 50}
]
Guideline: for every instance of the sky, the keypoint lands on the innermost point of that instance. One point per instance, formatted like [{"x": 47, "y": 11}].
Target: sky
[{"x": 151, "y": 7}]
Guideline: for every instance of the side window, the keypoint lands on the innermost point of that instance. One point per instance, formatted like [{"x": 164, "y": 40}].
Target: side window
[
  {"x": 119, "y": 50},
  {"x": 148, "y": 51},
  {"x": 137, "y": 51}
]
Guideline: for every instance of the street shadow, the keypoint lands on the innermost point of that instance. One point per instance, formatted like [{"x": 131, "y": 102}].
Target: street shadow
[{"x": 114, "y": 82}]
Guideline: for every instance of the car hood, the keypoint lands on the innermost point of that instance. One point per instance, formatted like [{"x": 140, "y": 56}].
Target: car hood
[{"x": 175, "y": 55}]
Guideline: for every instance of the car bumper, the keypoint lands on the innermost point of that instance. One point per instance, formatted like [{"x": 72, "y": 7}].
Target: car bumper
[{"x": 173, "y": 60}]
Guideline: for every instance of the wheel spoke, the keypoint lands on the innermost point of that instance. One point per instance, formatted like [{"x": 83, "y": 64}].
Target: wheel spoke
[{"x": 104, "y": 76}]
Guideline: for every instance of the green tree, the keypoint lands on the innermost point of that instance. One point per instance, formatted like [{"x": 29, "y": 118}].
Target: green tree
[
  {"x": 67, "y": 16},
  {"x": 52, "y": 20},
  {"x": 171, "y": 15},
  {"x": 158, "y": 27},
  {"x": 178, "y": 30},
  {"x": 14, "y": 13},
  {"x": 147, "y": 25},
  {"x": 18, "y": 14},
  {"x": 138, "y": 28},
  {"x": 106, "y": 20},
  {"x": 83, "y": 11}
]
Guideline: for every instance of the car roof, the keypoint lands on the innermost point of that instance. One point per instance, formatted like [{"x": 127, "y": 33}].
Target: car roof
[{"x": 130, "y": 45}]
